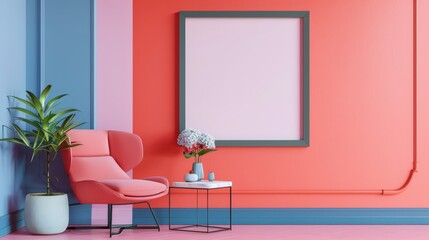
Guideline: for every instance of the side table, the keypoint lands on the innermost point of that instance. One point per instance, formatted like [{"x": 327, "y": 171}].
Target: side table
[{"x": 206, "y": 186}]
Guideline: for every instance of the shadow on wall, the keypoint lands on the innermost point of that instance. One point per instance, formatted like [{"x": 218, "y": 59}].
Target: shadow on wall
[
  {"x": 14, "y": 168},
  {"x": 16, "y": 200},
  {"x": 35, "y": 176},
  {"x": 16, "y": 218},
  {"x": 30, "y": 176}
]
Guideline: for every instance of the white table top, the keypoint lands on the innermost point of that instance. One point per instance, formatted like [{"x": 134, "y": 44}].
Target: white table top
[{"x": 204, "y": 184}]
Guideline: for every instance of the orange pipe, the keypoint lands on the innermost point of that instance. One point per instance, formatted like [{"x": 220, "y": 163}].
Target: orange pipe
[
  {"x": 375, "y": 191},
  {"x": 412, "y": 171},
  {"x": 345, "y": 191}
]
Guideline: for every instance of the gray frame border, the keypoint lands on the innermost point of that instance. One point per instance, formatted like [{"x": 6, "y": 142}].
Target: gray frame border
[{"x": 305, "y": 16}]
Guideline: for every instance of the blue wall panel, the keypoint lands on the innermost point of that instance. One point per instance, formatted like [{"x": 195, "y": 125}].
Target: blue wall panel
[
  {"x": 67, "y": 52},
  {"x": 67, "y": 63},
  {"x": 33, "y": 45}
]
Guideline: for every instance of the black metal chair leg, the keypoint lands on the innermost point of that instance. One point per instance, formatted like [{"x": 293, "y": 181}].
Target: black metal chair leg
[
  {"x": 153, "y": 215},
  {"x": 109, "y": 218},
  {"x": 120, "y": 228}
]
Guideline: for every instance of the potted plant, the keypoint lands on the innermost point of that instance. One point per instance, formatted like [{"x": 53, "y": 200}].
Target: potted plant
[
  {"x": 44, "y": 213},
  {"x": 196, "y": 144}
]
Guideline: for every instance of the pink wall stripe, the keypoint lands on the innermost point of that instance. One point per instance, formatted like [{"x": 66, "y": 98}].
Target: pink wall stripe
[
  {"x": 114, "y": 44},
  {"x": 114, "y": 82}
]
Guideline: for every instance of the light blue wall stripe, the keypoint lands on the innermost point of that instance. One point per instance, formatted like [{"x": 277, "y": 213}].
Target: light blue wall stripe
[
  {"x": 19, "y": 70},
  {"x": 272, "y": 216},
  {"x": 13, "y": 78}
]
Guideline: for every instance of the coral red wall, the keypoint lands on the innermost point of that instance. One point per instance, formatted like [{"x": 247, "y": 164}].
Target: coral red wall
[{"x": 361, "y": 105}]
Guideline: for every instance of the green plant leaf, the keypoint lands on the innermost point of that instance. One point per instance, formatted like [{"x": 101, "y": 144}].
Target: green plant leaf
[
  {"x": 21, "y": 135},
  {"x": 188, "y": 155},
  {"x": 72, "y": 126},
  {"x": 67, "y": 124},
  {"x": 35, "y": 151},
  {"x": 45, "y": 132},
  {"x": 66, "y": 120},
  {"x": 36, "y": 142},
  {"x": 68, "y": 146},
  {"x": 36, "y": 102},
  {"x": 64, "y": 112},
  {"x": 44, "y": 95},
  {"x": 50, "y": 117},
  {"x": 60, "y": 139},
  {"x": 39, "y": 145},
  {"x": 205, "y": 151},
  {"x": 54, "y": 124},
  {"x": 23, "y": 110},
  {"x": 13, "y": 140},
  {"x": 33, "y": 123},
  {"x": 47, "y": 120},
  {"x": 53, "y": 101},
  {"x": 54, "y": 147},
  {"x": 23, "y": 101}
]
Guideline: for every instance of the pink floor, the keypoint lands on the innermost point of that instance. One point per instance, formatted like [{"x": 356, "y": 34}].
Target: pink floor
[{"x": 260, "y": 232}]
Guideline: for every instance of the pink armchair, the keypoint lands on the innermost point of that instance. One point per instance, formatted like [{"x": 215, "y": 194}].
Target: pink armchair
[{"x": 97, "y": 171}]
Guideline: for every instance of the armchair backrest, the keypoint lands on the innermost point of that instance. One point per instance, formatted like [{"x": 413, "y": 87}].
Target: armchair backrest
[{"x": 102, "y": 155}]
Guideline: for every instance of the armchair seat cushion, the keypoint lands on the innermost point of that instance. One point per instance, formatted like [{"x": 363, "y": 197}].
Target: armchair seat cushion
[{"x": 135, "y": 187}]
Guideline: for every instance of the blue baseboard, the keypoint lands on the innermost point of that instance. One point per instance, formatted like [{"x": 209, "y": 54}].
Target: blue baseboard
[
  {"x": 80, "y": 214},
  {"x": 310, "y": 216},
  {"x": 11, "y": 222},
  {"x": 258, "y": 216}
]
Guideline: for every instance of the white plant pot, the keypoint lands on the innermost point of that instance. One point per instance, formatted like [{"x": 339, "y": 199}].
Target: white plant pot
[{"x": 46, "y": 214}]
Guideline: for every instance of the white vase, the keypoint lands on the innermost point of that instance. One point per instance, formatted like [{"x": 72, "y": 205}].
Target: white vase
[
  {"x": 191, "y": 177},
  {"x": 46, "y": 214}
]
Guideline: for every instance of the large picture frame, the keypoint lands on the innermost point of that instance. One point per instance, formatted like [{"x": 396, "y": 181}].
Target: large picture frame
[{"x": 244, "y": 76}]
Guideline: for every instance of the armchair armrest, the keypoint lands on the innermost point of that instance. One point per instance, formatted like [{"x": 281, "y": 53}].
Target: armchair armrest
[{"x": 93, "y": 192}]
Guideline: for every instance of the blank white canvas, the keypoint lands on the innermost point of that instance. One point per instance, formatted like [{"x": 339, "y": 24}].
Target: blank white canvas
[{"x": 243, "y": 77}]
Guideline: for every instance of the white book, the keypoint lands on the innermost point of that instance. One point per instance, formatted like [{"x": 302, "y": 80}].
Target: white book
[{"x": 203, "y": 184}]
